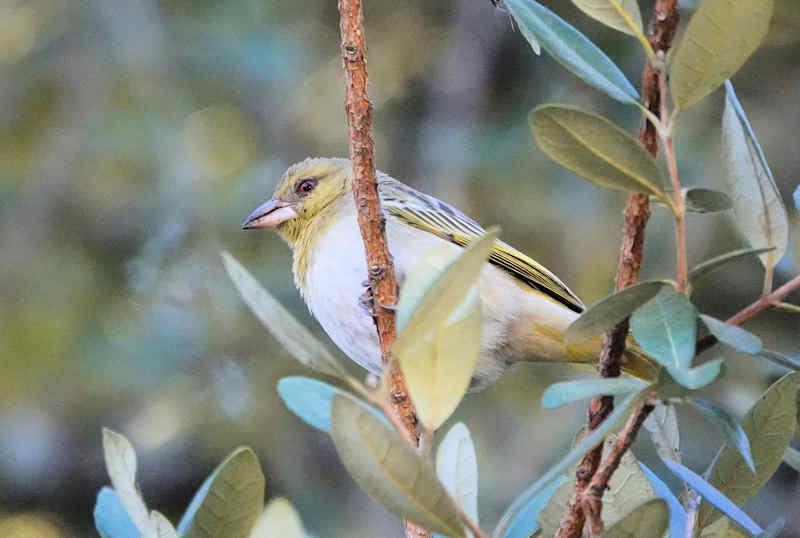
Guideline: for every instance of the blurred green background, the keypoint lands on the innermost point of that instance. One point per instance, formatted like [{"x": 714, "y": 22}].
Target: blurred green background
[{"x": 136, "y": 134}]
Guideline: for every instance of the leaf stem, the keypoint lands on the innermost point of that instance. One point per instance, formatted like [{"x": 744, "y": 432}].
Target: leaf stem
[
  {"x": 681, "y": 262},
  {"x": 637, "y": 31}
]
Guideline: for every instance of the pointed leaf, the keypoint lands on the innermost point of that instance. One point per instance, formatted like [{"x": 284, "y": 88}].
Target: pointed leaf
[
  {"x": 719, "y": 39},
  {"x": 757, "y": 203},
  {"x": 110, "y": 517},
  {"x": 279, "y": 520},
  {"x": 787, "y": 361},
  {"x": 769, "y": 425},
  {"x": 791, "y": 457},
  {"x": 677, "y": 514},
  {"x": 596, "y": 149},
  {"x": 733, "y": 430},
  {"x": 714, "y": 497},
  {"x": 391, "y": 471},
  {"x": 297, "y": 340},
  {"x": 457, "y": 469},
  {"x": 622, "y": 15},
  {"x": 606, "y": 313},
  {"x": 774, "y": 529},
  {"x": 662, "y": 424},
  {"x": 650, "y": 520},
  {"x": 525, "y": 524},
  {"x": 572, "y": 49},
  {"x": 708, "y": 266},
  {"x": 699, "y": 200},
  {"x": 229, "y": 501},
  {"x": 121, "y": 465},
  {"x": 559, "y": 394},
  {"x": 732, "y": 335},
  {"x": 697, "y": 378},
  {"x": 666, "y": 328},
  {"x": 163, "y": 527}
]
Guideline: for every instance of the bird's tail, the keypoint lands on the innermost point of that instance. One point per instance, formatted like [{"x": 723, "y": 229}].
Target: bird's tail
[{"x": 635, "y": 362}]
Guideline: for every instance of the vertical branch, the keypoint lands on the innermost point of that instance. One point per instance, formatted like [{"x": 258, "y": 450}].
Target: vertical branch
[
  {"x": 380, "y": 269},
  {"x": 663, "y": 25}
]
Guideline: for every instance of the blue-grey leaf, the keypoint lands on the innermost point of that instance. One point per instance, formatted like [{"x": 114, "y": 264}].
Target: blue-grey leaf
[
  {"x": 110, "y": 517},
  {"x": 572, "y": 49},
  {"x": 559, "y": 394},
  {"x": 526, "y": 524},
  {"x": 666, "y": 328},
  {"x": 677, "y": 514},
  {"x": 774, "y": 529},
  {"x": 787, "y": 361},
  {"x": 309, "y": 399},
  {"x": 699, "y": 377},
  {"x": 732, "y": 335},
  {"x": 733, "y": 430}
]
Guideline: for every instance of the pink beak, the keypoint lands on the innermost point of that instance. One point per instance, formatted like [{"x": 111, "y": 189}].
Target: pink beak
[{"x": 270, "y": 214}]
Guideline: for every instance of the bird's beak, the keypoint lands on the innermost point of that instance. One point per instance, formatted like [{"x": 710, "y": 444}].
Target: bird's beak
[{"x": 270, "y": 214}]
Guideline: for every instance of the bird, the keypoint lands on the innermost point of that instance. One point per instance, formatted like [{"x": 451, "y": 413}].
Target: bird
[{"x": 525, "y": 307}]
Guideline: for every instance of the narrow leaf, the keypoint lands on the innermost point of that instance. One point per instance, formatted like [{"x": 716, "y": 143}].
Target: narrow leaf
[
  {"x": 279, "y": 520},
  {"x": 121, "y": 465},
  {"x": 162, "y": 526},
  {"x": 572, "y": 49},
  {"x": 650, "y": 520},
  {"x": 525, "y": 524},
  {"x": 229, "y": 501},
  {"x": 769, "y": 425},
  {"x": 666, "y": 328},
  {"x": 719, "y": 39},
  {"x": 787, "y": 361},
  {"x": 757, "y": 203},
  {"x": 596, "y": 149},
  {"x": 700, "y": 200},
  {"x": 110, "y": 517},
  {"x": 791, "y": 457},
  {"x": 559, "y": 394},
  {"x": 708, "y": 266},
  {"x": 310, "y": 399},
  {"x": 609, "y": 311},
  {"x": 622, "y": 15},
  {"x": 714, "y": 497},
  {"x": 391, "y": 471},
  {"x": 677, "y": 514},
  {"x": 733, "y": 336},
  {"x": 733, "y": 430},
  {"x": 297, "y": 340},
  {"x": 774, "y": 529},
  {"x": 457, "y": 469}
]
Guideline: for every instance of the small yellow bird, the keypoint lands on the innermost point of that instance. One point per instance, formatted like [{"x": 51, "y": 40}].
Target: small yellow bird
[{"x": 526, "y": 308}]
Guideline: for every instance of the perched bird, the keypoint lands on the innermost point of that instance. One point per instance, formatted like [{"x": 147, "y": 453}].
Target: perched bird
[{"x": 526, "y": 308}]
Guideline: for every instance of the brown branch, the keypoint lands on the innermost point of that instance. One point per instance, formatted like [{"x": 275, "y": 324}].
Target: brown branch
[
  {"x": 380, "y": 269},
  {"x": 663, "y": 25}
]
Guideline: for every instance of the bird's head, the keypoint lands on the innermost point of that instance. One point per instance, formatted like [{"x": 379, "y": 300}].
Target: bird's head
[{"x": 302, "y": 195}]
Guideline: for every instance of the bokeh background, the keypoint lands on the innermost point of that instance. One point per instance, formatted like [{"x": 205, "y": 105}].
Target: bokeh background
[{"x": 136, "y": 134}]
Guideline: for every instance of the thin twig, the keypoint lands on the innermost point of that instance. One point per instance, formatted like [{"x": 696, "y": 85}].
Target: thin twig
[{"x": 682, "y": 265}]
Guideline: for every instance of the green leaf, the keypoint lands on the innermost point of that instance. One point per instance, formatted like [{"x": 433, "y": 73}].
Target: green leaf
[
  {"x": 606, "y": 313},
  {"x": 733, "y": 430},
  {"x": 697, "y": 378},
  {"x": 559, "y": 394},
  {"x": 662, "y": 424},
  {"x": 700, "y": 200},
  {"x": 733, "y": 336},
  {"x": 310, "y": 399},
  {"x": 787, "y": 361},
  {"x": 677, "y": 514},
  {"x": 650, "y": 520},
  {"x": 162, "y": 526},
  {"x": 791, "y": 457},
  {"x": 298, "y": 340},
  {"x": 596, "y": 149},
  {"x": 279, "y": 520},
  {"x": 666, "y": 328},
  {"x": 719, "y": 39},
  {"x": 572, "y": 49},
  {"x": 121, "y": 466},
  {"x": 757, "y": 203},
  {"x": 390, "y": 470},
  {"x": 457, "y": 469},
  {"x": 229, "y": 501},
  {"x": 722, "y": 528},
  {"x": 525, "y": 524},
  {"x": 614, "y": 421},
  {"x": 714, "y": 497},
  {"x": 622, "y": 15},
  {"x": 770, "y": 425},
  {"x": 708, "y": 266}
]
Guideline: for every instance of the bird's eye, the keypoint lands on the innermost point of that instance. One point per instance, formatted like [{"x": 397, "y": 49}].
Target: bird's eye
[{"x": 306, "y": 186}]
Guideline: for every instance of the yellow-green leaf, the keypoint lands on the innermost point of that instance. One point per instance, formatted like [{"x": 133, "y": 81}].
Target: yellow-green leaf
[
  {"x": 722, "y": 528},
  {"x": 596, "y": 149},
  {"x": 622, "y": 15},
  {"x": 279, "y": 520},
  {"x": 650, "y": 520},
  {"x": 769, "y": 425},
  {"x": 391, "y": 471},
  {"x": 719, "y": 39}
]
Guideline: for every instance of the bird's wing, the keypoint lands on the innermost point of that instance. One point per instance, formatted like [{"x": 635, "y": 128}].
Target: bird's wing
[{"x": 443, "y": 220}]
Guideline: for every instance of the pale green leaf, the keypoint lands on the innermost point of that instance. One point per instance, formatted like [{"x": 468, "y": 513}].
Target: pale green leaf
[
  {"x": 596, "y": 149},
  {"x": 527, "y": 521},
  {"x": 733, "y": 430},
  {"x": 787, "y": 361},
  {"x": 279, "y": 520},
  {"x": 770, "y": 425},
  {"x": 622, "y": 15},
  {"x": 606, "y": 313},
  {"x": 390, "y": 470},
  {"x": 297, "y": 340},
  {"x": 696, "y": 378},
  {"x": 457, "y": 469},
  {"x": 732, "y": 335},
  {"x": 701, "y": 200},
  {"x": 662, "y": 424},
  {"x": 791, "y": 457},
  {"x": 650, "y": 520},
  {"x": 571, "y": 49},
  {"x": 723, "y": 528},
  {"x": 565, "y": 392},
  {"x": 229, "y": 501},
  {"x": 121, "y": 466},
  {"x": 719, "y": 39},
  {"x": 162, "y": 526},
  {"x": 666, "y": 328},
  {"x": 757, "y": 203},
  {"x": 710, "y": 265},
  {"x": 310, "y": 399}
]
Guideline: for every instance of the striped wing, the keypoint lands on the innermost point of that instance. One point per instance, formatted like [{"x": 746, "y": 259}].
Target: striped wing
[{"x": 434, "y": 216}]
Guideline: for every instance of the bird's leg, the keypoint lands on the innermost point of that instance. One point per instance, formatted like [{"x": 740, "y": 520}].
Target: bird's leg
[{"x": 367, "y": 300}]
